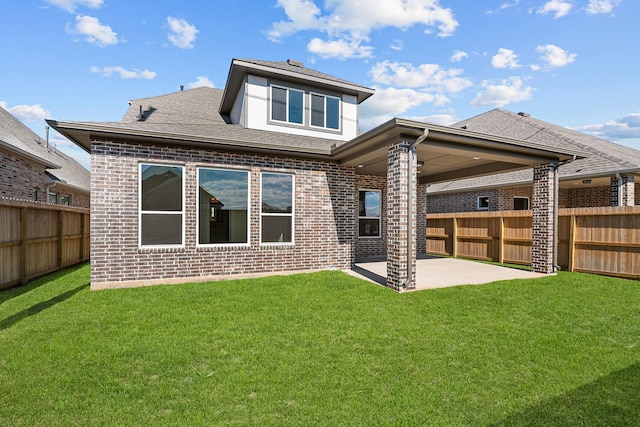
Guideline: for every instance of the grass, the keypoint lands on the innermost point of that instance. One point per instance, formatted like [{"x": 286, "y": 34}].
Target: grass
[{"x": 320, "y": 349}]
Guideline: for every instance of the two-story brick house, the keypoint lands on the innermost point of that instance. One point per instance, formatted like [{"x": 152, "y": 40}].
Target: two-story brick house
[
  {"x": 271, "y": 174},
  {"x": 31, "y": 169}
]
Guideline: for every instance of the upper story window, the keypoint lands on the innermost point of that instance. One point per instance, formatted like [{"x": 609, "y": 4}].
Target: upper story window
[
  {"x": 161, "y": 221},
  {"x": 287, "y": 105},
  {"x": 325, "y": 111}
]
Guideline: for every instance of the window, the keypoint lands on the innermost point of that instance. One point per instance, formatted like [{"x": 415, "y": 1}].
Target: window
[
  {"x": 223, "y": 206},
  {"x": 483, "y": 203},
  {"x": 325, "y": 111},
  {"x": 276, "y": 216},
  {"x": 521, "y": 203},
  {"x": 53, "y": 198},
  {"x": 36, "y": 194},
  {"x": 65, "y": 200},
  {"x": 369, "y": 213},
  {"x": 287, "y": 105},
  {"x": 161, "y": 191}
]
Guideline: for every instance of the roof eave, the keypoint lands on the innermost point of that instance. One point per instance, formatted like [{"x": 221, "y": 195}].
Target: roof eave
[{"x": 29, "y": 156}]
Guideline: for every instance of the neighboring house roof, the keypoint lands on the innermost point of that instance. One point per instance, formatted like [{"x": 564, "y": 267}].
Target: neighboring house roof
[
  {"x": 17, "y": 137},
  {"x": 606, "y": 158}
]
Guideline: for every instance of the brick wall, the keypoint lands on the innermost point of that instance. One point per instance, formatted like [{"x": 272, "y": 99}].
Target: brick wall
[
  {"x": 325, "y": 217},
  {"x": 372, "y": 246},
  {"x": 19, "y": 177},
  {"x": 506, "y": 196}
]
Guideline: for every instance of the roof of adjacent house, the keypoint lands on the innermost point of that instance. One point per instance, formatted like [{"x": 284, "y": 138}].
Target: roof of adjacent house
[
  {"x": 17, "y": 137},
  {"x": 606, "y": 158}
]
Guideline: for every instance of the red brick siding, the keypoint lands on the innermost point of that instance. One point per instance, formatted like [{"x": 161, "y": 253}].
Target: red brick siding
[
  {"x": 585, "y": 197},
  {"x": 325, "y": 217},
  {"x": 461, "y": 202}
]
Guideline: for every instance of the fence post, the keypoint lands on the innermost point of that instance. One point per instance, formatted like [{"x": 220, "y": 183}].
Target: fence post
[
  {"x": 454, "y": 237},
  {"x": 572, "y": 242},
  {"x": 60, "y": 238},
  {"x": 23, "y": 245},
  {"x": 82, "y": 217},
  {"x": 501, "y": 240}
]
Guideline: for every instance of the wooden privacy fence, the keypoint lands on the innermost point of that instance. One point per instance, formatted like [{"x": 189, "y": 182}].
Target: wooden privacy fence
[
  {"x": 594, "y": 240},
  {"x": 37, "y": 239}
]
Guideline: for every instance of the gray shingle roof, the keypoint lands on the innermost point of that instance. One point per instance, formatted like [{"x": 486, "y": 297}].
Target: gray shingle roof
[
  {"x": 194, "y": 113},
  {"x": 285, "y": 66},
  {"x": 605, "y": 157},
  {"x": 60, "y": 167}
]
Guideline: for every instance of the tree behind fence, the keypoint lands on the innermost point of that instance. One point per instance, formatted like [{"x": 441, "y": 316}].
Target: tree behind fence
[
  {"x": 594, "y": 240},
  {"x": 37, "y": 239}
]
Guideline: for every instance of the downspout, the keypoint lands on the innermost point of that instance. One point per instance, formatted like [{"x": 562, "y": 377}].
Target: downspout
[
  {"x": 410, "y": 202},
  {"x": 619, "y": 178}
]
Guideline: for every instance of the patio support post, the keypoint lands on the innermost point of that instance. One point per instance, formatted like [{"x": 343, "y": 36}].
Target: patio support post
[
  {"x": 622, "y": 190},
  {"x": 401, "y": 258},
  {"x": 544, "y": 225},
  {"x": 421, "y": 219}
]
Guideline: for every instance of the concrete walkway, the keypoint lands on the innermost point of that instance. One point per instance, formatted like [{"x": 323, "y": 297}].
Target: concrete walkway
[{"x": 437, "y": 272}]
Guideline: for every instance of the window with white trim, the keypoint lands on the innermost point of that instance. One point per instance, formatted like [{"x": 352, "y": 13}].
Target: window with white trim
[
  {"x": 520, "y": 203},
  {"x": 483, "y": 203},
  {"x": 161, "y": 205},
  {"x": 287, "y": 105},
  {"x": 53, "y": 198},
  {"x": 223, "y": 206},
  {"x": 325, "y": 111},
  {"x": 276, "y": 207},
  {"x": 369, "y": 207}
]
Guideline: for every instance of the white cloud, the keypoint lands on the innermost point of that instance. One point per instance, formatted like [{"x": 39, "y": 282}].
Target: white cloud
[
  {"x": 340, "y": 49},
  {"x": 397, "y": 45},
  {"x": 503, "y": 93},
  {"x": 555, "y": 56},
  {"x": 93, "y": 31},
  {"x": 27, "y": 113},
  {"x": 596, "y": 7},
  {"x": 181, "y": 33},
  {"x": 504, "y": 6},
  {"x": 559, "y": 8},
  {"x": 505, "y": 58},
  {"x": 346, "y": 22},
  {"x": 71, "y": 5},
  {"x": 431, "y": 77},
  {"x": 391, "y": 102},
  {"x": 626, "y": 127},
  {"x": 458, "y": 56},
  {"x": 124, "y": 73},
  {"x": 201, "y": 81}
]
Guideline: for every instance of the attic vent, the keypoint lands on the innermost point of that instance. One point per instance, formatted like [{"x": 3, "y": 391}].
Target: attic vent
[
  {"x": 294, "y": 63},
  {"x": 524, "y": 114}
]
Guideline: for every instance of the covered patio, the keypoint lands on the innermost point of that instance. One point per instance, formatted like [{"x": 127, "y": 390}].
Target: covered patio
[
  {"x": 438, "y": 272},
  {"x": 412, "y": 155}
]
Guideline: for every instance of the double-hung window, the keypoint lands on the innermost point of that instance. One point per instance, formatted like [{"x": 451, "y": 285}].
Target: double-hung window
[
  {"x": 287, "y": 105},
  {"x": 276, "y": 210},
  {"x": 161, "y": 199},
  {"x": 223, "y": 206},
  {"x": 520, "y": 203},
  {"x": 369, "y": 213},
  {"x": 325, "y": 111}
]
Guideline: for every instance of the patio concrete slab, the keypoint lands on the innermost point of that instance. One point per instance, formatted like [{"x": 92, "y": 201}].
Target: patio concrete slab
[{"x": 437, "y": 272}]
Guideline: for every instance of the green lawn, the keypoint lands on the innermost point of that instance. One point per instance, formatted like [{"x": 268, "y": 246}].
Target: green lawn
[{"x": 320, "y": 349}]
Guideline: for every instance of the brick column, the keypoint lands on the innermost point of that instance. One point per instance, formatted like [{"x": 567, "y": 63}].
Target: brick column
[
  {"x": 544, "y": 223},
  {"x": 398, "y": 259},
  {"x": 421, "y": 219},
  {"x": 622, "y": 194}
]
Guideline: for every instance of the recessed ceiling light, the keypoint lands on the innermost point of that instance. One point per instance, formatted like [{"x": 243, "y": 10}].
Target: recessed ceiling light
[{"x": 476, "y": 158}]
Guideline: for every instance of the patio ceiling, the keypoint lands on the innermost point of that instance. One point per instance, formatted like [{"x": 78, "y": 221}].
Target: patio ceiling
[{"x": 446, "y": 153}]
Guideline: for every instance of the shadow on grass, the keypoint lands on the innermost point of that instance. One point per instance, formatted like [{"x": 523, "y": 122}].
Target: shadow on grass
[
  {"x": 612, "y": 400},
  {"x": 8, "y": 294},
  {"x": 41, "y": 306}
]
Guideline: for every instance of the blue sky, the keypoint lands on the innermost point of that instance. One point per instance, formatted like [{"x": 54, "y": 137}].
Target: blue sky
[{"x": 570, "y": 62}]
